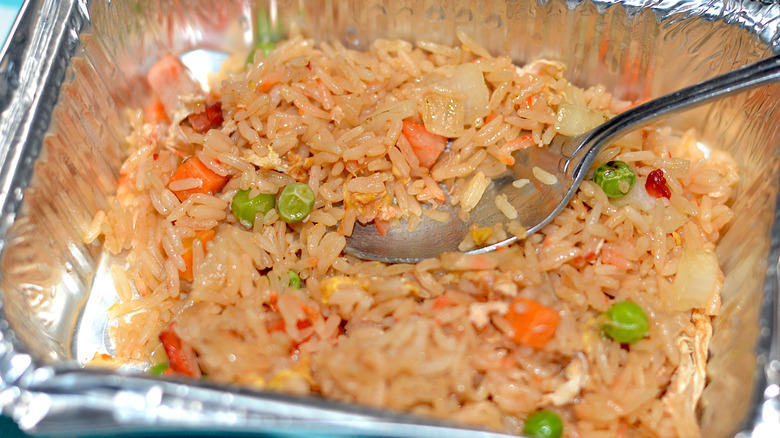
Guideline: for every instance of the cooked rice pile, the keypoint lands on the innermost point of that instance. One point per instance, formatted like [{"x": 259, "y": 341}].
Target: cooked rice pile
[{"x": 431, "y": 338}]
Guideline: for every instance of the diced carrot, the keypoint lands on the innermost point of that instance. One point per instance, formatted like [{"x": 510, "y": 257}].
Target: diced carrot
[
  {"x": 311, "y": 311},
  {"x": 124, "y": 180},
  {"x": 192, "y": 167},
  {"x": 278, "y": 326},
  {"x": 181, "y": 356},
  {"x": 155, "y": 112},
  {"x": 426, "y": 146},
  {"x": 533, "y": 323},
  {"x": 202, "y": 235},
  {"x": 490, "y": 117},
  {"x": 382, "y": 226},
  {"x": 301, "y": 324},
  {"x": 272, "y": 299},
  {"x": 169, "y": 80},
  {"x": 441, "y": 302}
]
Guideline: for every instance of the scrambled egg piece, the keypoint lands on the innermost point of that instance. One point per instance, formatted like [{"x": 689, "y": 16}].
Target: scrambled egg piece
[
  {"x": 480, "y": 235},
  {"x": 278, "y": 381},
  {"x": 271, "y": 161},
  {"x": 575, "y": 373},
  {"x": 302, "y": 370},
  {"x": 103, "y": 360},
  {"x": 370, "y": 206},
  {"x": 332, "y": 284},
  {"x": 479, "y": 313},
  {"x": 299, "y": 168}
]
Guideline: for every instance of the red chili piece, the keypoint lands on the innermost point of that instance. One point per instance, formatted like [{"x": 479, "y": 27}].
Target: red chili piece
[
  {"x": 209, "y": 119},
  {"x": 656, "y": 185}
]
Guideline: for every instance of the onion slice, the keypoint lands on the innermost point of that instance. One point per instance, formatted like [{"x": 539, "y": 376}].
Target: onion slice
[
  {"x": 572, "y": 120},
  {"x": 443, "y": 115},
  {"x": 465, "y": 81},
  {"x": 698, "y": 281}
]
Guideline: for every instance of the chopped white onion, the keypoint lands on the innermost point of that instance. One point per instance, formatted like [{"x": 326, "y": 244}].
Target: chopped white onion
[
  {"x": 572, "y": 120},
  {"x": 698, "y": 280},
  {"x": 644, "y": 202},
  {"x": 443, "y": 115},
  {"x": 637, "y": 197},
  {"x": 468, "y": 81}
]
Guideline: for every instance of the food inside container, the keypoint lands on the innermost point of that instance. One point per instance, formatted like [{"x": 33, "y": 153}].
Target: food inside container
[
  {"x": 204, "y": 237},
  {"x": 233, "y": 207}
]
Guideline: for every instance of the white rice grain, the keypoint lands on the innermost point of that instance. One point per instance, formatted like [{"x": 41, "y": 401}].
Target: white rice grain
[
  {"x": 505, "y": 207},
  {"x": 543, "y": 176}
]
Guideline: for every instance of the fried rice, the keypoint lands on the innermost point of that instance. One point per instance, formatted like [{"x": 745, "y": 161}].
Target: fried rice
[{"x": 434, "y": 338}]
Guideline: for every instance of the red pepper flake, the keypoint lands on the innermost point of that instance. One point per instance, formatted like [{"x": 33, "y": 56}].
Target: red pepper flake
[
  {"x": 308, "y": 65},
  {"x": 209, "y": 119},
  {"x": 656, "y": 185}
]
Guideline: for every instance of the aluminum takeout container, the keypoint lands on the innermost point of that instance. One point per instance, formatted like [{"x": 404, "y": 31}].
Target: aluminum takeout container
[{"x": 72, "y": 66}]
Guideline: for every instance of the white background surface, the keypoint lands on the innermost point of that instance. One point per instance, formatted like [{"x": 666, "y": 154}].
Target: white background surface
[{"x": 8, "y": 11}]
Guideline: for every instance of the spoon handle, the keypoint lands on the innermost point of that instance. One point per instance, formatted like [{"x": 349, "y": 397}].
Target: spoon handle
[{"x": 737, "y": 81}]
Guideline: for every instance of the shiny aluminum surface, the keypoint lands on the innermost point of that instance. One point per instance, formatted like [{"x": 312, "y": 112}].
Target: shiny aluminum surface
[{"x": 72, "y": 66}]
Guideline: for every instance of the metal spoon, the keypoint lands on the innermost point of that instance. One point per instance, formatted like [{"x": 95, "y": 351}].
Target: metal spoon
[{"x": 567, "y": 158}]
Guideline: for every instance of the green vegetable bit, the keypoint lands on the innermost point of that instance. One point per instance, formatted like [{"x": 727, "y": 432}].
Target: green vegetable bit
[
  {"x": 616, "y": 178},
  {"x": 267, "y": 32},
  {"x": 543, "y": 424},
  {"x": 245, "y": 208},
  {"x": 158, "y": 369},
  {"x": 625, "y": 322},
  {"x": 295, "y": 280},
  {"x": 265, "y": 46},
  {"x": 295, "y": 202}
]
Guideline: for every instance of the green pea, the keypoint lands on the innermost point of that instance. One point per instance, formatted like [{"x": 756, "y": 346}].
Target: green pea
[
  {"x": 616, "y": 178},
  {"x": 295, "y": 202},
  {"x": 295, "y": 280},
  {"x": 158, "y": 369},
  {"x": 625, "y": 322},
  {"x": 543, "y": 424},
  {"x": 245, "y": 208}
]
